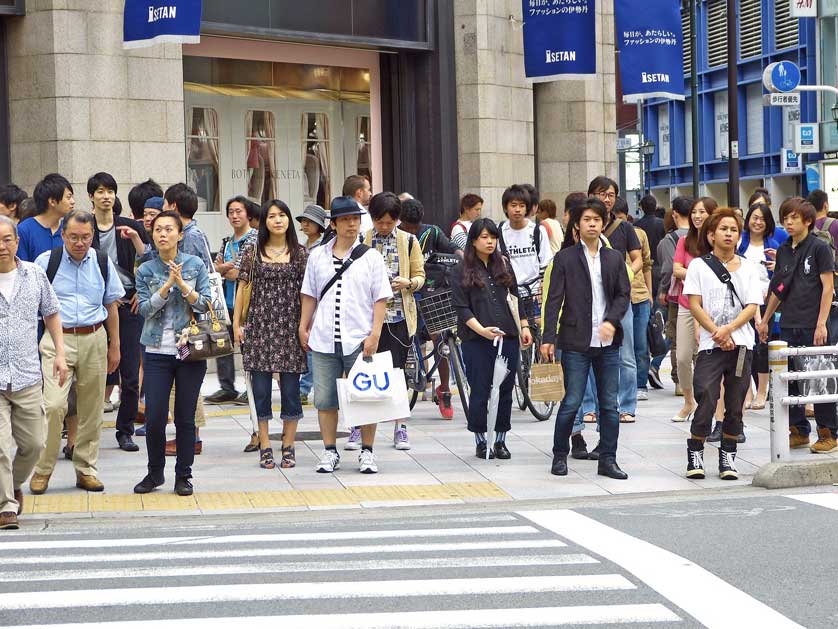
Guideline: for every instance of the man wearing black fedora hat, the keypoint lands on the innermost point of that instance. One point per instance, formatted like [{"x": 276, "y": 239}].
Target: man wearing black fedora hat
[{"x": 344, "y": 300}]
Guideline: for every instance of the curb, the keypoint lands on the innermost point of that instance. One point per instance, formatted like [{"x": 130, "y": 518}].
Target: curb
[{"x": 796, "y": 474}]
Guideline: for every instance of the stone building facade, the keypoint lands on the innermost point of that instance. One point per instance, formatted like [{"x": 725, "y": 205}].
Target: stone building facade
[{"x": 449, "y": 109}]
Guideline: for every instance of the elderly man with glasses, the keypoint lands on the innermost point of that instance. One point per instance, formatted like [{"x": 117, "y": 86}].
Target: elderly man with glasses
[{"x": 89, "y": 289}]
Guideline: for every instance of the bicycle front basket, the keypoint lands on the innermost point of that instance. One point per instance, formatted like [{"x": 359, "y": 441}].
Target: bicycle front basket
[{"x": 437, "y": 311}]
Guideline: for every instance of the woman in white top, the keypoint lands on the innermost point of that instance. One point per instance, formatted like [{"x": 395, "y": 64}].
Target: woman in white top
[
  {"x": 759, "y": 245},
  {"x": 471, "y": 206}
]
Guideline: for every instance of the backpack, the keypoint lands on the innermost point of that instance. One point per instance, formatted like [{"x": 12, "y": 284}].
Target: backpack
[
  {"x": 55, "y": 262},
  {"x": 823, "y": 234}
]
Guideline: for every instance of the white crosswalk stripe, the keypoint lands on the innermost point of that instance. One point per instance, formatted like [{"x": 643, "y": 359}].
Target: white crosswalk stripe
[
  {"x": 828, "y": 500},
  {"x": 457, "y": 574}
]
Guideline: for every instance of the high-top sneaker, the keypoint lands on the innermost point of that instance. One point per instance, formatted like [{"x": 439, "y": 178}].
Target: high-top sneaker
[
  {"x": 695, "y": 458},
  {"x": 727, "y": 460}
]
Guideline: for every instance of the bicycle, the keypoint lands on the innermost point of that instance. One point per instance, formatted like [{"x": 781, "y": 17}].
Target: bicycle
[
  {"x": 530, "y": 295},
  {"x": 437, "y": 318}
]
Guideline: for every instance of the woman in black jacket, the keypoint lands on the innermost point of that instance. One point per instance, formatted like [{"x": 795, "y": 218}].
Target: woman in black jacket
[{"x": 481, "y": 286}]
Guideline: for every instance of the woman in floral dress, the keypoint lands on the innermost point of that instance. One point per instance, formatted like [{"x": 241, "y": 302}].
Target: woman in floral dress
[{"x": 268, "y": 337}]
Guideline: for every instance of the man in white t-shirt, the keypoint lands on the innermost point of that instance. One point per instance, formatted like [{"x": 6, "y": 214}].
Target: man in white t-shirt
[
  {"x": 723, "y": 310},
  {"x": 525, "y": 243}
]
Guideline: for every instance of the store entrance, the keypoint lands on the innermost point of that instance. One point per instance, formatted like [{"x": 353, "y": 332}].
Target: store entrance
[{"x": 272, "y": 143}]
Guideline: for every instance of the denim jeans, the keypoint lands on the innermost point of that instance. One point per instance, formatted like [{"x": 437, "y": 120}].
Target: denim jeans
[
  {"x": 627, "y": 396},
  {"x": 641, "y": 312},
  {"x": 307, "y": 379},
  {"x": 330, "y": 367},
  {"x": 130, "y": 328},
  {"x": 161, "y": 372},
  {"x": 825, "y": 416},
  {"x": 589, "y": 404},
  {"x": 289, "y": 391},
  {"x": 605, "y": 362}
]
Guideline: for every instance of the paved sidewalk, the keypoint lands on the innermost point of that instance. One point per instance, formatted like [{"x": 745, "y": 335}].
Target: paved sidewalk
[{"x": 440, "y": 467}]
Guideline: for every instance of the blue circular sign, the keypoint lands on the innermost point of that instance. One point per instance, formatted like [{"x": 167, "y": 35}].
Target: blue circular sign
[{"x": 785, "y": 76}]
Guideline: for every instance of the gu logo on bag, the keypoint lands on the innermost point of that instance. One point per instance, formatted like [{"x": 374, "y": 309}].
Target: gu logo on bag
[{"x": 363, "y": 382}]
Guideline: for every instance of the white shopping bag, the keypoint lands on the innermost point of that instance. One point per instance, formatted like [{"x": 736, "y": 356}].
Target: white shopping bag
[{"x": 373, "y": 392}]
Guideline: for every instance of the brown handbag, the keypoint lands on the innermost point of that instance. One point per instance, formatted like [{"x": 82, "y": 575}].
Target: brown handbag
[
  {"x": 247, "y": 289},
  {"x": 204, "y": 339}
]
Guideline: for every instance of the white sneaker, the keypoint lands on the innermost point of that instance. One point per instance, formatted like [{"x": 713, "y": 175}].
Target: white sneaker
[
  {"x": 367, "y": 462},
  {"x": 329, "y": 462},
  {"x": 400, "y": 440},
  {"x": 642, "y": 395},
  {"x": 354, "y": 441}
]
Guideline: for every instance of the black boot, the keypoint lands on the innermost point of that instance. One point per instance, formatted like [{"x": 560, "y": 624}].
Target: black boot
[
  {"x": 716, "y": 435},
  {"x": 480, "y": 451},
  {"x": 559, "y": 467},
  {"x": 608, "y": 467},
  {"x": 695, "y": 458},
  {"x": 594, "y": 454},
  {"x": 727, "y": 460},
  {"x": 578, "y": 447}
]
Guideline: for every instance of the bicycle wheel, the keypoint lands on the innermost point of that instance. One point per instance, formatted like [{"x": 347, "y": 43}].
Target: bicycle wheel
[
  {"x": 522, "y": 379},
  {"x": 542, "y": 411},
  {"x": 414, "y": 395},
  {"x": 455, "y": 359}
]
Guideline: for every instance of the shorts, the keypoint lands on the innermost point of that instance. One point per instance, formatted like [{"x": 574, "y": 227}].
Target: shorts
[{"x": 327, "y": 368}]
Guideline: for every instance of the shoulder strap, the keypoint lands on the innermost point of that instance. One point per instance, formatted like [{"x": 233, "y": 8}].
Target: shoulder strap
[
  {"x": 410, "y": 239},
  {"x": 423, "y": 237},
  {"x": 54, "y": 263},
  {"x": 613, "y": 227},
  {"x": 673, "y": 235},
  {"x": 536, "y": 236},
  {"x": 722, "y": 274},
  {"x": 104, "y": 269},
  {"x": 357, "y": 252},
  {"x": 501, "y": 241}
]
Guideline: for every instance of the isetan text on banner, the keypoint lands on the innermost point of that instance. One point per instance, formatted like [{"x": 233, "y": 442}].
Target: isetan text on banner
[
  {"x": 559, "y": 39},
  {"x": 149, "y": 22},
  {"x": 650, "y": 42}
]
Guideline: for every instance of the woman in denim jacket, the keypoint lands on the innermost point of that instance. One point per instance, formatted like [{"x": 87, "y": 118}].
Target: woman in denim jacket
[{"x": 170, "y": 287}]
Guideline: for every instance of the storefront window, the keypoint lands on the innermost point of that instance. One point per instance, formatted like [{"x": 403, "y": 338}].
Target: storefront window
[
  {"x": 363, "y": 165},
  {"x": 260, "y": 134},
  {"x": 202, "y": 157},
  {"x": 317, "y": 179}
]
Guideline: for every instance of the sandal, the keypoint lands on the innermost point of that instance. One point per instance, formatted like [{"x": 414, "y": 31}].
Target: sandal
[
  {"x": 254, "y": 443},
  {"x": 266, "y": 459},
  {"x": 626, "y": 418},
  {"x": 589, "y": 418},
  {"x": 289, "y": 458}
]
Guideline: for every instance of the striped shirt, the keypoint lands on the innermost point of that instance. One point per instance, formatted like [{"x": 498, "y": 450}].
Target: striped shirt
[{"x": 337, "y": 263}]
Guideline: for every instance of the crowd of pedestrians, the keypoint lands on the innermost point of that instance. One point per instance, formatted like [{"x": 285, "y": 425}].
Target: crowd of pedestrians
[{"x": 91, "y": 300}]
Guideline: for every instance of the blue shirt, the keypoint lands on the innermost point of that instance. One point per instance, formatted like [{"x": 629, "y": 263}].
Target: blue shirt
[
  {"x": 195, "y": 243},
  {"x": 35, "y": 239},
  {"x": 231, "y": 252},
  {"x": 81, "y": 288}
]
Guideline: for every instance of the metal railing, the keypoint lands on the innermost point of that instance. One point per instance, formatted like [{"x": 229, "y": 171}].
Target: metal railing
[{"x": 778, "y": 354}]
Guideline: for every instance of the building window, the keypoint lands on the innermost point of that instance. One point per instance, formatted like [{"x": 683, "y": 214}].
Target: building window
[
  {"x": 754, "y": 113},
  {"x": 363, "y": 163},
  {"x": 317, "y": 179},
  {"x": 260, "y": 143},
  {"x": 750, "y": 28},
  {"x": 716, "y": 33},
  {"x": 686, "y": 54},
  {"x": 785, "y": 26},
  {"x": 202, "y": 156}
]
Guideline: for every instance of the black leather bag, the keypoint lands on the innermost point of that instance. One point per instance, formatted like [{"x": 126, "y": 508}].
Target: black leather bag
[
  {"x": 205, "y": 339},
  {"x": 655, "y": 333}
]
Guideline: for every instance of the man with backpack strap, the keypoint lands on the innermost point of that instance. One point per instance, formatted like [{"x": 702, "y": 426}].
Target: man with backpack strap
[
  {"x": 89, "y": 290},
  {"x": 826, "y": 229},
  {"x": 344, "y": 301},
  {"x": 523, "y": 241}
]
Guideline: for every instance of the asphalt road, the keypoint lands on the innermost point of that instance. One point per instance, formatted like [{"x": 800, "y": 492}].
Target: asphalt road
[{"x": 734, "y": 559}]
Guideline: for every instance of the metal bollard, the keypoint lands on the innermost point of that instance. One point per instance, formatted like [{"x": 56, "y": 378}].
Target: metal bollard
[{"x": 779, "y": 413}]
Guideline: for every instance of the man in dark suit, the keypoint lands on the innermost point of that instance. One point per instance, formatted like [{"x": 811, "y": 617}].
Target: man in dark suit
[{"x": 589, "y": 286}]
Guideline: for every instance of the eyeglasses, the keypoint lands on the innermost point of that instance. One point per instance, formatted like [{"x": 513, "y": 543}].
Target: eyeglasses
[
  {"x": 80, "y": 239},
  {"x": 757, "y": 219},
  {"x": 607, "y": 195}
]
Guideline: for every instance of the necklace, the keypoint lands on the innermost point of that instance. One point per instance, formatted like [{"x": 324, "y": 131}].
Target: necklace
[
  {"x": 276, "y": 251},
  {"x": 726, "y": 262}
]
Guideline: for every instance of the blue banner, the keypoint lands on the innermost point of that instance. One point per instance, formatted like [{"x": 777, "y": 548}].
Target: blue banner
[
  {"x": 149, "y": 22},
  {"x": 651, "y": 46},
  {"x": 559, "y": 39}
]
